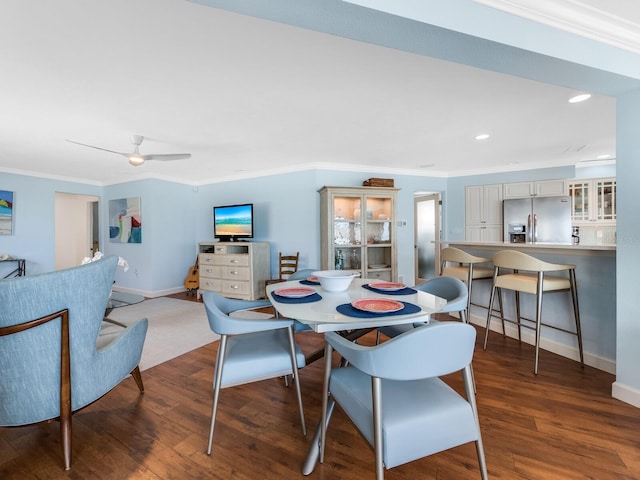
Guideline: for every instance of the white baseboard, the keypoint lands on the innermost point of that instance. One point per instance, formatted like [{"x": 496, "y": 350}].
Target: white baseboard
[
  {"x": 155, "y": 294},
  {"x": 563, "y": 350},
  {"x": 626, "y": 394}
]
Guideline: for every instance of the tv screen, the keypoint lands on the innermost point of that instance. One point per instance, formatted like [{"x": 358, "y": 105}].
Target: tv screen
[{"x": 231, "y": 222}]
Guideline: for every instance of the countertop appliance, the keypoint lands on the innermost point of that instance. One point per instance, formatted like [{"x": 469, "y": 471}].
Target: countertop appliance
[{"x": 537, "y": 220}]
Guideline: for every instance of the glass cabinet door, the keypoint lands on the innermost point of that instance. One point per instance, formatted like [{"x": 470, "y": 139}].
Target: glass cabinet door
[
  {"x": 606, "y": 199},
  {"x": 347, "y": 232},
  {"x": 579, "y": 192},
  {"x": 379, "y": 235}
]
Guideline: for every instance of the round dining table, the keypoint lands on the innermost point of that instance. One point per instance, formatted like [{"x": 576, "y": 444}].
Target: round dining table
[{"x": 361, "y": 306}]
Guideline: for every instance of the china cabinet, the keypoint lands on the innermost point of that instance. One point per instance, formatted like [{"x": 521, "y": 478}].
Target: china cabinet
[
  {"x": 358, "y": 230},
  {"x": 593, "y": 201}
]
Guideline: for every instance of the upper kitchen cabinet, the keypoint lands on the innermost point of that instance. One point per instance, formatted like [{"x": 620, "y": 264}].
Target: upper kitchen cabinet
[
  {"x": 483, "y": 207},
  {"x": 545, "y": 188},
  {"x": 357, "y": 230},
  {"x": 593, "y": 201}
]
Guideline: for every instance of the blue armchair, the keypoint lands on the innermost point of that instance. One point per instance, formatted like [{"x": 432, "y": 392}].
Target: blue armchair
[
  {"x": 50, "y": 364},
  {"x": 392, "y": 393}
]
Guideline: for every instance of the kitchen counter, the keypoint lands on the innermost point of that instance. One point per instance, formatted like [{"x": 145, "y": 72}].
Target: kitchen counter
[
  {"x": 596, "y": 277},
  {"x": 531, "y": 248}
]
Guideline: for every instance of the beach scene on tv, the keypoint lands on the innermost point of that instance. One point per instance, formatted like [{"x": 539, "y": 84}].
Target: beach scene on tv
[{"x": 233, "y": 221}]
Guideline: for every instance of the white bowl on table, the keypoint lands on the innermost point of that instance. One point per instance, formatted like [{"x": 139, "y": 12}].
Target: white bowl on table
[{"x": 335, "y": 280}]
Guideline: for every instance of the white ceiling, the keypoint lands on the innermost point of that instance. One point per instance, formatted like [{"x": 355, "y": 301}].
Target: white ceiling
[{"x": 247, "y": 96}]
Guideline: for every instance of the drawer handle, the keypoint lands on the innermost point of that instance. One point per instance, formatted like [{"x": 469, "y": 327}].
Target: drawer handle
[
  {"x": 234, "y": 272},
  {"x": 235, "y": 287},
  {"x": 208, "y": 259},
  {"x": 209, "y": 284},
  {"x": 233, "y": 261}
]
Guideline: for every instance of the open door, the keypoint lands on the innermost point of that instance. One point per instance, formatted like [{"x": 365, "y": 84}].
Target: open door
[
  {"x": 76, "y": 227},
  {"x": 427, "y": 234}
]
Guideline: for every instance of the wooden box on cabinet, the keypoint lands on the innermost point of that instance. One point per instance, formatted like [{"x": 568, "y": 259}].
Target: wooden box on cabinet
[{"x": 234, "y": 269}]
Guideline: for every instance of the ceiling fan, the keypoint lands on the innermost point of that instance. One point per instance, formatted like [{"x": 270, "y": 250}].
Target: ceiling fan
[{"x": 136, "y": 158}]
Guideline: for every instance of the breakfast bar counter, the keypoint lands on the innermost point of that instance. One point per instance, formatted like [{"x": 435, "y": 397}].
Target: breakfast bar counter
[{"x": 596, "y": 278}]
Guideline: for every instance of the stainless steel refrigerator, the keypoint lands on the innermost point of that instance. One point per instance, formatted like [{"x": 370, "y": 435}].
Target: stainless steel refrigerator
[{"x": 537, "y": 220}]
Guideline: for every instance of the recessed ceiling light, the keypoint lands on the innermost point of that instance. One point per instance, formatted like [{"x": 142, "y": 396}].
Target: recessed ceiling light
[
  {"x": 482, "y": 136},
  {"x": 602, "y": 157},
  {"x": 580, "y": 98}
]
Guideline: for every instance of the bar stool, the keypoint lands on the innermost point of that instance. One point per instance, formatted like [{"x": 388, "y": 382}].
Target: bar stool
[
  {"x": 535, "y": 282},
  {"x": 466, "y": 267}
]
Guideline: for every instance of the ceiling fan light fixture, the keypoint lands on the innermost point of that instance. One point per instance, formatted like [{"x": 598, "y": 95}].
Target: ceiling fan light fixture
[
  {"x": 136, "y": 160},
  {"x": 482, "y": 136}
]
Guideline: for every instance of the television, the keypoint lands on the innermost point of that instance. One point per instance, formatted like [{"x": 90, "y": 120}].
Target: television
[{"x": 233, "y": 222}]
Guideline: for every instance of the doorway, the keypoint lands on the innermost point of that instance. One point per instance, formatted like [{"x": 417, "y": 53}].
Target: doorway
[
  {"x": 426, "y": 208},
  {"x": 76, "y": 228}
]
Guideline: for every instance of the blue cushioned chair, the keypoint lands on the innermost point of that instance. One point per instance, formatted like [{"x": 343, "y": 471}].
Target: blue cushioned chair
[
  {"x": 393, "y": 395},
  {"x": 301, "y": 275},
  {"x": 250, "y": 350},
  {"x": 451, "y": 289},
  {"x": 50, "y": 365}
]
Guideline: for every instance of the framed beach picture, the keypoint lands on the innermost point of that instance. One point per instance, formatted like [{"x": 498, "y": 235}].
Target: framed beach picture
[
  {"x": 125, "y": 220},
  {"x": 6, "y": 212}
]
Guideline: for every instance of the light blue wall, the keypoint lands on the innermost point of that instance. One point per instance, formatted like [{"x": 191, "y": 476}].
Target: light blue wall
[
  {"x": 34, "y": 219},
  {"x": 160, "y": 263},
  {"x": 628, "y": 228},
  {"x": 287, "y": 210}
]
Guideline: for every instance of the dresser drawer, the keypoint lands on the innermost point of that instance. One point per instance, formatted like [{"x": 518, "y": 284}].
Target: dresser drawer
[
  {"x": 236, "y": 273},
  {"x": 212, "y": 271},
  {"x": 210, "y": 284},
  {"x": 231, "y": 260},
  {"x": 206, "y": 259},
  {"x": 235, "y": 288}
]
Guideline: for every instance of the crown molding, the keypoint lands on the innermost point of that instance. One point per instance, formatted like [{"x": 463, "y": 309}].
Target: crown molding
[{"x": 607, "y": 24}]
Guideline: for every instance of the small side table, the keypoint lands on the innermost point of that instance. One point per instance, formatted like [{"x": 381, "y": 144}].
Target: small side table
[{"x": 20, "y": 270}]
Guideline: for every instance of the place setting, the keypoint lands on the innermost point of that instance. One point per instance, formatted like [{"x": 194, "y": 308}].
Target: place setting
[
  {"x": 312, "y": 280},
  {"x": 389, "y": 288},
  {"x": 296, "y": 295},
  {"x": 373, "y": 307}
]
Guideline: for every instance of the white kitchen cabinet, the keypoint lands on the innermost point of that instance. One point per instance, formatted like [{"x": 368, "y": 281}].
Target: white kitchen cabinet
[
  {"x": 543, "y": 188},
  {"x": 485, "y": 233},
  {"x": 234, "y": 269},
  {"x": 357, "y": 226},
  {"x": 483, "y": 212},
  {"x": 593, "y": 201}
]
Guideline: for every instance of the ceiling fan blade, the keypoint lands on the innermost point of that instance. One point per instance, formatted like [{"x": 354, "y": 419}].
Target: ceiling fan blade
[
  {"x": 98, "y": 148},
  {"x": 167, "y": 156}
]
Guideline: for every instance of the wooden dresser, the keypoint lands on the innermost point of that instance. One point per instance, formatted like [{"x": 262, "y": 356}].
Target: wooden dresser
[{"x": 234, "y": 269}]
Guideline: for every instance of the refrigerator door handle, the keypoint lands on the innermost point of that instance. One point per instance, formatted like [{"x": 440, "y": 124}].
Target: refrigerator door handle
[{"x": 529, "y": 235}]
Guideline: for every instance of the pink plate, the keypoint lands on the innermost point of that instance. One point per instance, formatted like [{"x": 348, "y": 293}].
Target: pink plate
[
  {"x": 377, "y": 305},
  {"x": 295, "y": 292},
  {"x": 389, "y": 286},
  {"x": 313, "y": 279}
]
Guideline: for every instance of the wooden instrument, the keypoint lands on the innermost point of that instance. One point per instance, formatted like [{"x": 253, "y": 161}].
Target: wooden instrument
[{"x": 192, "y": 282}]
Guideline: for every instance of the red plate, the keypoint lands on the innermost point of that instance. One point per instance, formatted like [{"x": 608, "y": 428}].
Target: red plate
[
  {"x": 389, "y": 286},
  {"x": 377, "y": 305},
  {"x": 295, "y": 292}
]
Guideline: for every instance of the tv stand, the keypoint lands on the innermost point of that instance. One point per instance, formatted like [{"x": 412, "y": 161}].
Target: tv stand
[{"x": 237, "y": 269}]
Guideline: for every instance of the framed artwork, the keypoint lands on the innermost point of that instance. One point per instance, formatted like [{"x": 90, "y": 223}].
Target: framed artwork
[
  {"x": 125, "y": 220},
  {"x": 6, "y": 212}
]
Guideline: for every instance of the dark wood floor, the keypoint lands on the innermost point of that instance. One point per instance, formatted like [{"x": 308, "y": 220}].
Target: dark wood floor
[{"x": 561, "y": 424}]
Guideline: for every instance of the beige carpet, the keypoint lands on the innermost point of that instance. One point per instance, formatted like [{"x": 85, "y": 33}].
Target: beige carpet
[{"x": 175, "y": 328}]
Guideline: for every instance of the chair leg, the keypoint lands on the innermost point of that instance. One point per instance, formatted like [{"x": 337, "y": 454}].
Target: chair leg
[
  {"x": 517, "y": 295},
  {"x": 576, "y": 312},
  {"x": 538, "y": 318},
  {"x": 489, "y": 315},
  {"x": 137, "y": 376},
  {"x": 376, "y": 388},
  {"x": 467, "y": 376},
  {"x": 328, "y": 349},
  {"x": 217, "y": 380},
  {"x": 296, "y": 377},
  {"x": 463, "y": 317}
]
